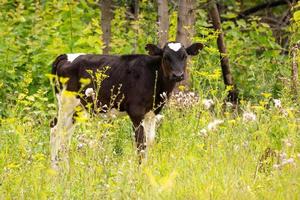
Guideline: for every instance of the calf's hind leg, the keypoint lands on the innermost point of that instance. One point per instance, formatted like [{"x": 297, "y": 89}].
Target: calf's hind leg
[{"x": 62, "y": 132}]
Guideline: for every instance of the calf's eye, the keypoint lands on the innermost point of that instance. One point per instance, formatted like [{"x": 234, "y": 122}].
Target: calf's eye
[{"x": 167, "y": 58}]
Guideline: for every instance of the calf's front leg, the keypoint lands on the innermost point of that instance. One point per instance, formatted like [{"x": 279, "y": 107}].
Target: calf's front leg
[
  {"x": 149, "y": 123},
  {"x": 140, "y": 139},
  {"x": 136, "y": 114}
]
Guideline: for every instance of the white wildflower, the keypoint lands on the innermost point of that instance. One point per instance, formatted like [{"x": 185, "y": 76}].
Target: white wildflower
[
  {"x": 213, "y": 125},
  {"x": 276, "y": 166},
  {"x": 203, "y": 132},
  {"x": 89, "y": 92},
  {"x": 92, "y": 143},
  {"x": 288, "y": 161},
  {"x": 80, "y": 145},
  {"x": 192, "y": 94},
  {"x": 120, "y": 172},
  {"x": 208, "y": 103},
  {"x": 249, "y": 116},
  {"x": 183, "y": 99},
  {"x": 277, "y": 103},
  {"x": 298, "y": 155},
  {"x": 114, "y": 116},
  {"x": 282, "y": 155},
  {"x": 287, "y": 142}
]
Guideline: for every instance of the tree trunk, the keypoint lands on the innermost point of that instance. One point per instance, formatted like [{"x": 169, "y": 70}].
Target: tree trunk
[
  {"x": 106, "y": 17},
  {"x": 163, "y": 22},
  {"x": 185, "y": 29},
  {"x": 228, "y": 80},
  {"x": 295, "y": 53},
  {"x": 185, "y": 21},
  {"x": 136, "y": 18}
]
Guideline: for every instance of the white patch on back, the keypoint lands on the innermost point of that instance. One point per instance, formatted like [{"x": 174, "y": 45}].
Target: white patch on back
[
  {"x": 175, "y": 46},
  {"x": 72, "y": 56},
  {"x": 149, "y": 127}
]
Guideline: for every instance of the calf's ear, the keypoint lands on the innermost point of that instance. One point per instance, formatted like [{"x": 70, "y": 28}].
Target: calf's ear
[
  {"x": 154, "y": 50},
  {"x": 194, "y": 49}
]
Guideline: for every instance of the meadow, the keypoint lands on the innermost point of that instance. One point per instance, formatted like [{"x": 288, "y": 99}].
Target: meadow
[
  {"x": 204, "y": 148},
  {"x": 238, "y": 157}
]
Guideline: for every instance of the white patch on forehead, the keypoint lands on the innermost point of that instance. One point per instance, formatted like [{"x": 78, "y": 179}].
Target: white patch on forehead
[
  {"x": 71, "y": 57},
  {"x": 175, "y": 46}
]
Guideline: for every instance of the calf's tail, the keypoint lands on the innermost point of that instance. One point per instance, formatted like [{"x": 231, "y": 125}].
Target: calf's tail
[{"x": 55, "y": 64}]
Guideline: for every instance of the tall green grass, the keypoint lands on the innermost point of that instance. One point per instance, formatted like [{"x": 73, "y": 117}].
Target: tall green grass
[{"x": 230, "y": 161}]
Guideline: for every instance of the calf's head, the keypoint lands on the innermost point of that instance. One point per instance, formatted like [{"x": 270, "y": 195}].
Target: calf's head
[{"x": 174, "y": 58}]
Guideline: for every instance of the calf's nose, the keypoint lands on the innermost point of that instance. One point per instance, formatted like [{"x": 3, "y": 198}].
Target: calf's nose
[{"x": 178, "y": 76}]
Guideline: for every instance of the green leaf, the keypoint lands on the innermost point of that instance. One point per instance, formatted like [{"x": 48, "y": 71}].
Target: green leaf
[
  {"x": 296, "y": 16},
  {"x": 229, "y": 15}
]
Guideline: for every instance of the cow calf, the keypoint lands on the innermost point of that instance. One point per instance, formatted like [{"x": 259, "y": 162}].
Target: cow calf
[{"x": 138, "y": 84}]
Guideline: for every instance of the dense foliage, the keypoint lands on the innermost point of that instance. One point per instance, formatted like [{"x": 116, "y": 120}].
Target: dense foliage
[{"x": 185, "y": 163}]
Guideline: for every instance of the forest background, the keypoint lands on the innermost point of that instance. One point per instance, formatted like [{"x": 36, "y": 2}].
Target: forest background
[{"x": 240, "y": 157}]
